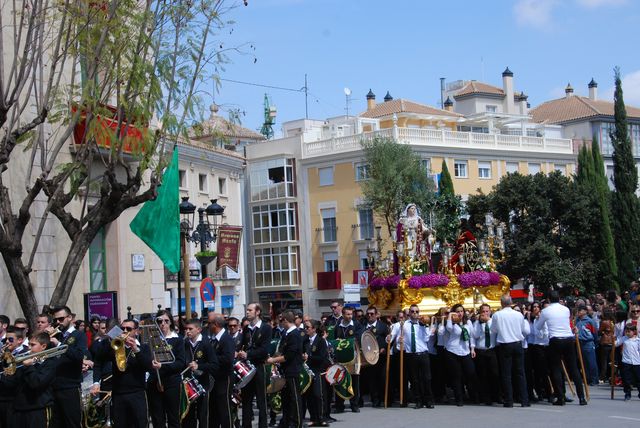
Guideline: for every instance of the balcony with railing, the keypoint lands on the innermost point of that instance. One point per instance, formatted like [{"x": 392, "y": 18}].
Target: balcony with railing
[{"x": 440, "y": 138}]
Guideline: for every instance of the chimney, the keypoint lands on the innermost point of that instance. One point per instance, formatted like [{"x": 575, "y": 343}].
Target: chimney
[
  {"x": 568, "y": 91},
  {"x": 388, "y": 97},
  {"x": 371, "y": 100},
  {"x": 448, "y": 104},
  {"x": 524, "y": 105},
  {"x": 593, "y": 90},
  {"x": 507, "y": 86}
]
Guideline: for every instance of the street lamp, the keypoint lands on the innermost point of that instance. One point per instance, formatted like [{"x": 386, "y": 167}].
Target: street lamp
[{"x": 205, "y": 232}]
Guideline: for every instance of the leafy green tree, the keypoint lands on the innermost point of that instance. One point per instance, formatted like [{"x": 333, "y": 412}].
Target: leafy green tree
[
  {"x": 396, "y": 177},
  {"x": 625, "y": 209},
  {"x": 68, "y": 66},
  {"x": 447, "y": 208}
]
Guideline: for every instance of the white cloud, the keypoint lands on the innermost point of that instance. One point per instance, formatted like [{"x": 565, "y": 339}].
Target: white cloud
[
  {"x": 534, "y": 13},
  {"x": 592, "y": 4},
  {"x": 630, "y": 90}
]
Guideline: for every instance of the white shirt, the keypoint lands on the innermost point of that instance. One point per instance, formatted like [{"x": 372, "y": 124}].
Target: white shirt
[
  {"x": 557, "y": 319},
  {"x": 454, "y": 343},
  {"x": 631, "y": 350},
  {"x": 290, "y": 329},
  {"x": 219, "y": 335},
  {"x": 195, "y": 342},
  {"x": 509, "y": 326},
  {"x": 258, "y": 325},
  {"x": 422, "y": 334},
  {"x": 479, "y": 335},
  {"x": 171, "y": 335},
  {"x": 539, "y": 334}
]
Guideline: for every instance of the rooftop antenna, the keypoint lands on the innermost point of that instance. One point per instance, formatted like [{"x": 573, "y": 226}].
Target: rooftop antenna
[{"x": 347, "y": 93}]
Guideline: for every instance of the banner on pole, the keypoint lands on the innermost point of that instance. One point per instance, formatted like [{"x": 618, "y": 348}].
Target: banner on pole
[{"x": 229, "y": 238}]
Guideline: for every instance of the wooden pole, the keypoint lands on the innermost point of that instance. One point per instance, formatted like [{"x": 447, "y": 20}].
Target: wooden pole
[
  {"x": 564, "y": 369},
  {"x": 401, "y": 362},
  {"x": 612, "y": 361},
  {"x": 584, "y": 373},
  {"x": 386, "y": 382}
]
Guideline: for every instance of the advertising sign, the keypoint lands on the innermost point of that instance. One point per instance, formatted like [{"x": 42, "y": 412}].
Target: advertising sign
[{"x": 102, "y": 304}]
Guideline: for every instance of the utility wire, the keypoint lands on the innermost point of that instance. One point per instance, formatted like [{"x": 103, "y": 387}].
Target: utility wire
[{"x": 264, "y": 86}]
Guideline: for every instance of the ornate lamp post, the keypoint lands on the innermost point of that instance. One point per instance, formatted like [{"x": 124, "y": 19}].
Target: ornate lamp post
[{"x": 205, "y": 232}]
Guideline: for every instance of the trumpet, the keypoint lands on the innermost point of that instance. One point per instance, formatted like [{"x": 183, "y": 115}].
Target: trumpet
[
  {"x": 14, "y": 363},
  {"x": 55, "y": 332},
  {"x": 118, "y": 346}
]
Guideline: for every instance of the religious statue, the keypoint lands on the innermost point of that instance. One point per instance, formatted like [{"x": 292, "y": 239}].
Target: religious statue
[{"x": 411, "y": 226}]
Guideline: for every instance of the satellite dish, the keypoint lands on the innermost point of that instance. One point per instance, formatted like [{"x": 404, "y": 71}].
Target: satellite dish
[{"x": 347, "y": 91}]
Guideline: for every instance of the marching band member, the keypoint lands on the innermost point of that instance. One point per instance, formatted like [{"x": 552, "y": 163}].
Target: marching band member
[
  {"x": 394, "y": 375},
  {"x": 557, "y": 318},
  {"x": 43, "y": 322},
  {"x": 511, "y": 329},
  {"x": 486, "y": 360},
  {"x": 316, "y": 355},
  {"x": 415, "y": 337},
  {"x": 234, "y": 330},
  {"x": 538, "y": 340},
  {"x": 15, "y": 341},
  {"x": 15, "y": 346},
  {"x": 438, "y": 360},
  {"x": 375, "y": 374},
  {"x": 164, "y": 397},
  {"x": 129, "y": 400},
  {"x": 224, "y": 347},
  {"x": 290, "y": 365},
  {"x": 66, "y": 388},
  {"x": 336, "y": 314},
  {"x": 256, "y": 338},
  {"x": 460, "y": 347},
  {"x": 203, "y": 362},
  {"x": 348, "y": 328},
  {"x": 34, "y": 398},
  {"x": 4, "y": 324}
]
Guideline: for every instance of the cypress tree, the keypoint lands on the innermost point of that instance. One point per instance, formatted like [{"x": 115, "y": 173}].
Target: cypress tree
[
  {"x": 446, "y": 183},
  {"x": 625, "y": 209},
  {"x": 585, "y": 173}
]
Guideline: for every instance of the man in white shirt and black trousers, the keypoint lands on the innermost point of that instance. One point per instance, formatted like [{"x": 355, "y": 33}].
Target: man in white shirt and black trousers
[
  {"x": 562, "y": 346},
  {"x": 511, "y": 329}
]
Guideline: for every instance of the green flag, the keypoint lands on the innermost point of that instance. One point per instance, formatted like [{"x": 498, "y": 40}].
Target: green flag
[{"x": 158, "y": 222}]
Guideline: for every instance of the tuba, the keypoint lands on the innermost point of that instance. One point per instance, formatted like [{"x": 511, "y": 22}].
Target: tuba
[{"x": 117, "y": 344}]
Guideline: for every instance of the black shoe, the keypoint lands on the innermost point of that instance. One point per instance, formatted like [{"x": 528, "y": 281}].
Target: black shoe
[
  {"x": 330, "y": 419},
  {"x": 376, "y": 405},
  {"x": 429, "y": 405},
  {"x": 507, "y": 405},
  {"x": 568, "y": 400},
  {"x": 627, "y": 397},
  {"x": 403, "y": 405},
  {"x": 583, "y": 402},
  {"x": 355, "y": 409},
  {"x": 459, "y": 404},
  {"x": 418, "y": 406},
  {"x": 526, "y": 404},
  {"x": 272, "y": 423},
  {"x": 559, "y": 402}
]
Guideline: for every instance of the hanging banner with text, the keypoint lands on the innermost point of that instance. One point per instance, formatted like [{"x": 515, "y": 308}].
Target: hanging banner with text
[{"x": 229, "y": 246}]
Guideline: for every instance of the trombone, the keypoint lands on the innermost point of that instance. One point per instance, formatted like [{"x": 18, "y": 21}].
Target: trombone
[{"x": 14, "y": 363}]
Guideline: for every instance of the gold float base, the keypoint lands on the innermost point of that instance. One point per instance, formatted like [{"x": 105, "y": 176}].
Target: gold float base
[{"x": 430, "y": 300}]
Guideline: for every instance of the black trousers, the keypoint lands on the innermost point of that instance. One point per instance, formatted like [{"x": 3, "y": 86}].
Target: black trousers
[
  {"x": 438, "y": 373},
  {"x": 315, "y": 398},
  {"x": 630, "y": 377},
  {"x": 564, "y": 349},
  {"x": 291, "y": 404},
  {"x": 461, "y": 370},
  {"x": 164, "y": 406},
  {"x": 129, "y": 410},
  {"x": 256, "y": 388},
  {"x": 220, "y": 404},
  {"x": 6, "y": 409},
  {"x": 486, "y": 362},
  {"x": 67, "y": 408},
  {"x": 511, "y": 357},
  {"x": 540, "y": 371},
  {"x": 353, "y": 402},
  {"x": 374, "y": 377},
  {"x": 328, "y": 399},
  {"x": 39, "y": 418},
  {"x": 420, "y": 378},
  {"x": 198, "y": 413}
]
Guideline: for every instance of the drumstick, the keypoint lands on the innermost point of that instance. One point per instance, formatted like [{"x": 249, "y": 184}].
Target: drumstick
[
  {"x": 386, "y": 381},
  {"x": 564, "y": 368}
]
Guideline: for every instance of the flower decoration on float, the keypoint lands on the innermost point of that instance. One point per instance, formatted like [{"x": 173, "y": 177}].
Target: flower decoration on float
[
  {"x": 385, "y": 283},
  {"x": 431, "y": 280},
  {"x": 478, "y": 278}
]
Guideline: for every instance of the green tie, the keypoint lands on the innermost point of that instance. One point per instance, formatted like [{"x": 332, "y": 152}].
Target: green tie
[
  {"x": 413, "y": 338},
  {"x": 487, "y": 336}
]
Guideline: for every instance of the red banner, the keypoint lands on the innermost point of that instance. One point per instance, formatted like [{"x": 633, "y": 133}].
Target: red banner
[{"x": 229, "y": 238}]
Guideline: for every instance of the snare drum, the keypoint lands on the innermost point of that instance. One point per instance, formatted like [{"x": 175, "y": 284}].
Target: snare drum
[
  {"x": 275, "y": 382},
  {"x": 244, "y": 371},
  {"x": 335, "y": 374},
  {"x": 193, "y": 389}
]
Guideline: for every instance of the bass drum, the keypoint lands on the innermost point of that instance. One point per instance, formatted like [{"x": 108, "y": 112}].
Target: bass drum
[
  {"x": 369, "y": 349},
  {"x": 346, "y": 353}
]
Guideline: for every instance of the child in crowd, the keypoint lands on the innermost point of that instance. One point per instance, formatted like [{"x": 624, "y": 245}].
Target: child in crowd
[{"x": 630, "y": 361}]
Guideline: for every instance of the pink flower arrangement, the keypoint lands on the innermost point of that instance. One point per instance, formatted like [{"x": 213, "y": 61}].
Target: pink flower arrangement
[
  {"x": 428, "y": 281},
  {"x": 388, "y": 282},
  {"x": 478, "y": 278}
]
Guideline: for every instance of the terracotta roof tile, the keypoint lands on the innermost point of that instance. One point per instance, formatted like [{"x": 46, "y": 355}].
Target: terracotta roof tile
[
  {"x": 475, "y": 87},
  {"x": 400, "y": 105},
  {"x": 575, "y": 107}
]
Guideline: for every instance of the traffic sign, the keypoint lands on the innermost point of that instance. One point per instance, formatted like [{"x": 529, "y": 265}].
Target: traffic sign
[{"x": 208, "y": 293}]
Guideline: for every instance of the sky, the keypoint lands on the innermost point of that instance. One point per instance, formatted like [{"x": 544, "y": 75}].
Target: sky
[{"x": 405, "y": 47}]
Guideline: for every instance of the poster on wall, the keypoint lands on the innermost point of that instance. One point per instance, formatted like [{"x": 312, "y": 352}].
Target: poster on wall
[{"x": 102, "y": 304}]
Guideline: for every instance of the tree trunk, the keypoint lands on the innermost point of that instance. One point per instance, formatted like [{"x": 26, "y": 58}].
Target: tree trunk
[{"x": 22, "y": 285}]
